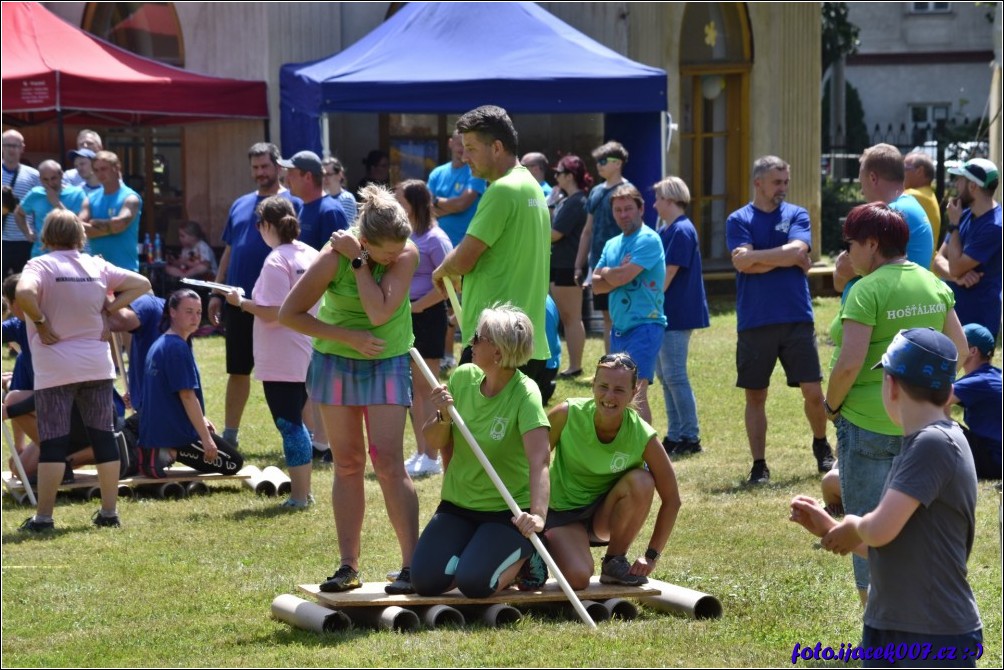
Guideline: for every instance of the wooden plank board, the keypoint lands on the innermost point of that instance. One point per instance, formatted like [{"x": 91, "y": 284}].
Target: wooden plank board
[
  {"x": 89, "y": 478},
  {"x": 371, "y": 594}
]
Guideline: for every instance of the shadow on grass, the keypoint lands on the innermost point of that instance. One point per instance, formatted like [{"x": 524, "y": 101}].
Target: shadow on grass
[
  {"x": 776, "y": 483},
  {"x": 271, "y": 512},
  {"x": 20, "y": 536}
]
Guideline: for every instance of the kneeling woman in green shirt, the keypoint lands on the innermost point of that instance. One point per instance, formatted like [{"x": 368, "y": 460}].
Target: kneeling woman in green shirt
[
  {"x": 601, "y": 489},
  {"x": 473, "y": 542}
]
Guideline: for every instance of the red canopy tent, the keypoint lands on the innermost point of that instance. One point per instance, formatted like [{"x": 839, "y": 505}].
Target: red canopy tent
[{"x": 53, "y": 70}]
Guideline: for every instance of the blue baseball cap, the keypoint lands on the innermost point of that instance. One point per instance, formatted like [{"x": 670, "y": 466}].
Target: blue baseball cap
[
  {"x": 978, "y": 336},
  {"x": 81, "y": 153},
  {"x": 920, "y": 357},
  {"x": 307, "y": 161}
]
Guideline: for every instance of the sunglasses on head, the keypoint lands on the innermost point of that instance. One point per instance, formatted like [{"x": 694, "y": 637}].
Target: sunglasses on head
[{"x": 620, "y": 359}]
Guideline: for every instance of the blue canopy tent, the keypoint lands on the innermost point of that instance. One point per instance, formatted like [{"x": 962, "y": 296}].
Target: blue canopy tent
[{"x": 452, "y": 57}]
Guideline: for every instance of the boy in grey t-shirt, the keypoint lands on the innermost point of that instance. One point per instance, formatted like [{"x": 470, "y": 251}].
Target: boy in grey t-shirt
[{"x": 918, "y": 539}]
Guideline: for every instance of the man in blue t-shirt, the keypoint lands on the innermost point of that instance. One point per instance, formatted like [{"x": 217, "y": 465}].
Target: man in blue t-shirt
[
  {"x": 969, "y": 259},
  {"x": 321, "y": 214},
  {"x": 881, "y": 177},
  {"x": 770, "y": 241},
  {"x": 240, "y": 265},
  {"x": 113, "y": 230},
  {"x": 455, "y": 192},
  {"x": 41, "y": 200},
  {"x": 979, "y": 393},
  {"x": 632, "y": 270},
  {"x": 536, "y": 163}
]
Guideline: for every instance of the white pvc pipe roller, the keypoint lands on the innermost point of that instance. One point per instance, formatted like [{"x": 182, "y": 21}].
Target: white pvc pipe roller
[
  {"x": 306, "y": 615},
  {"x": 437, "y": 616},
  {"x": 679, "y": 599},
  {"x": 499, "y": 614},
  {"x": 386, "y": 618},
  {"x": 500, "y": 487},
  {"x": 279, "y": 479},
  {"x": 257, "y": 482}
]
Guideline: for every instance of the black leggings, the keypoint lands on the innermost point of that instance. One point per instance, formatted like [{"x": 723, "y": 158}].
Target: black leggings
[
  {"x": 466, "y": 549},
  {"x": 228, "y": 460}
]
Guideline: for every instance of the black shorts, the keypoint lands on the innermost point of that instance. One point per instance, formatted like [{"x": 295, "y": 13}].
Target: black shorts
[
  {"x": 758, "y": 350},
  {"x": 583, "y": 515},
  {"x": 240, "y": 340},
  {"x": 601, "y": 302},
  {"x": 563, "y": 276},
  {"x": 430, "y": 331}
]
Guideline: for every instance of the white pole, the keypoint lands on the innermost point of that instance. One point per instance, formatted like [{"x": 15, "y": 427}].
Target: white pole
[
  {"x": 16, "y": 457},
  {"x": 454, "y": 300},
  {"x": 500, "y": 487}
]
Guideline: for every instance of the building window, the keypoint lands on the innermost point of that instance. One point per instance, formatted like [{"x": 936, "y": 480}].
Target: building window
[
  {"x": 149, "y": 29},
  {"x": 930, "y": 7}
]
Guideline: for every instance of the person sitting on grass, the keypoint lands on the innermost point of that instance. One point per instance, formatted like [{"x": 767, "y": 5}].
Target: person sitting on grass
[
  {"x": 607, "y": 464},
  {"x": 979, "y": 394},
  {"x": 473, "y": 541},
  {"x": 919, "y": 537},
  {"x": 174, "y": 426}
]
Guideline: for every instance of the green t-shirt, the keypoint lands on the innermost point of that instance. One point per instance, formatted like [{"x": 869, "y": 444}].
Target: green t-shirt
[
  {"x": 584, "y": 468},
  {"x": 498, "y": 425},
  {"x": 513, "y": 220},
  {"x": 341, "y": 307},
  {"x": 892, "y": 298}
]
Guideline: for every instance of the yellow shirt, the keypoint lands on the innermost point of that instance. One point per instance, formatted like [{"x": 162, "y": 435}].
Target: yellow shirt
[{"x": 925, "y": 196}]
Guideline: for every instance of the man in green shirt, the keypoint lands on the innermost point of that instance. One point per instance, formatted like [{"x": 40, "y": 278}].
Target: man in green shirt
[{"x": 506, "y": 254}]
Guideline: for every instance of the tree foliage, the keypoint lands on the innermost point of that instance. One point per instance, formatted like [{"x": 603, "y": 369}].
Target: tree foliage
[{"x": 840, "y": 36}]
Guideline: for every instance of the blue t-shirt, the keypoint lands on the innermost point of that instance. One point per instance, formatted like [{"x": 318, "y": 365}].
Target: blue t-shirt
[
  {"x": 604, "y": 226},
  {"x": 546, "y": 188},
  {"x": 781, "y": 295},
  {"x": 920, "y": 247},
  {"x": 23, "y": 377},
  {"x": 36, "y": 203},
  {"x": 979, "y": 393},
  {"x": 981, "y": 241},
  {"x": 320, "y": 218},
  {"x": 247, "y": 249},
  {"x": 640, "y": 300},
  {"x": 551, "y": 320},
  {"x": 685, "y": 303},
  {"x": 447, "y": 181},
  {"x": 118, "y": 249},
  {"x": 149, "y": 309},
  {"x": 170, "y": 368}
]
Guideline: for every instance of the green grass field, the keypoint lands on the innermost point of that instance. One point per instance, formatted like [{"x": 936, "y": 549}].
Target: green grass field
[{"x": 189, "y": 583}]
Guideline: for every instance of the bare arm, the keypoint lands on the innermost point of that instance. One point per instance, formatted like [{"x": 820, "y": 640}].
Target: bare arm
[
  {"x": 133, "y": 286},
  {"x": 843, "y": 271},
  {"x": 193, "y": 410},
  {"x": 380, "y": 301},
  {"x": 558, "y": 417},
  {"x": 104, "y": 227},
  {"x": 460, "y": 261},
  {"x": 582, "y": 257},
  {"x": 22, "y": 222},
  {"x": 953, "y": 330},
  {"x": 671, "y": 271},
  {"x": 794, "y": 253},
  {"x": 295, "y": 310},
  {"x": 951, "y": 262},
  {"x": 538, "y": 453},
  {"x": 433, "y": 297},
  {"x": 439, "y": 434},
  {"x": 267, "y": 313},
  {"x": 216, "y": 299},
  {"x": 460, "y": 203},
  {"x": 669, "y": 495},
  {"x": 852, "y": 356}
]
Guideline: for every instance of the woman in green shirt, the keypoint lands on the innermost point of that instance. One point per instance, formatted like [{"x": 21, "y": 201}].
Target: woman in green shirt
[
  {"x": 360, "y": 372},
  {"x": 601, "y": 489},
  {"x": 473, "y": 541}
]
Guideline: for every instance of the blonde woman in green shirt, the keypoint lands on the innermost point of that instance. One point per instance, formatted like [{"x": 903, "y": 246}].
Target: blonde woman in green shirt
[
  {"x": 360, "y": 371},
  {"x": 608, "y": 463}
]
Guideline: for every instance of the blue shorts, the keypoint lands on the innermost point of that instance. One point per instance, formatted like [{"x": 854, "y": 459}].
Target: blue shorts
[{"x": 642, "y": 343}]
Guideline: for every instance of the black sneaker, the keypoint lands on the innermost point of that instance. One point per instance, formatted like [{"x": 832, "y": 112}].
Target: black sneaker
[
  {"x": 33, "y": 526},
  {"x": 344, "y": 579},
  {"x": 669, "y": 445},
  {"x": 321, "y": 455},
  {"x": 102, "y": 521},
  {"x": 824, "y": 455},
  {"x": 401, "y": 584},
  {"x": 617, "y": 570},
  {"x": 68, "y": 476},
  {"x": 687, "y": 447},
  {"x": 760, "y": 473},
  {"x": 532, "y": 574}
]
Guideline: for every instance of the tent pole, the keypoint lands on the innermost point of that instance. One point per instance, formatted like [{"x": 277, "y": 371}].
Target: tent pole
[
  {"x": 61, "y": 139},
  {"x": 268, "y": 135},
  {"x": 325, "y": 136}
]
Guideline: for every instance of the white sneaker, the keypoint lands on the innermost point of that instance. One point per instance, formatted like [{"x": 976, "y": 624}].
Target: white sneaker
[
  {"x": 411, "y": 461},
  {"x": 428, "y": 466}
]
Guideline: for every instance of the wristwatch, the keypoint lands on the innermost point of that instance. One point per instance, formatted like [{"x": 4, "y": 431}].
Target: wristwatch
[
  {"x": 358, "y": 261},
  {"x": 950, "y": 227},
  {"x": 652, "y": 555},
  {"x": 832, "y": 411}
]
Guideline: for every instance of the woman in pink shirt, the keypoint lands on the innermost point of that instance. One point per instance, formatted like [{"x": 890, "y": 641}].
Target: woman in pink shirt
[
  {"x": 64, "y": 294},
  {"x": 282, "y": 355}
]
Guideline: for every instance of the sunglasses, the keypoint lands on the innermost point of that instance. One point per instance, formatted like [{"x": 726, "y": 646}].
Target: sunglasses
[
  {"x": 477, "y": 338},
  {"x": 619, "y": 359},
  {"x": 604, "y": 161},
  {"x": 330, "y": 174},
  {"x": 557, "y": 172}
]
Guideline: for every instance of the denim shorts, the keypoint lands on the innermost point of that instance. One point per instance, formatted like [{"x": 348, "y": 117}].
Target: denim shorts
[
  {"x": 864, "y": 460},
  {"x": 642, "y": 343}
]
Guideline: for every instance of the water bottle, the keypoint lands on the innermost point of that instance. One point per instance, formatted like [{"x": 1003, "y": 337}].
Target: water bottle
[
  {"x": 147, "y": 249},
  {"x": 157, "y": 255}
]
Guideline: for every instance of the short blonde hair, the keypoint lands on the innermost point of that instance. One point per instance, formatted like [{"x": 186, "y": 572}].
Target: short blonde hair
[
  {"x": 381, "y": 217},
  {"x": 510, "y": 329},
  {"x": 884, "y": 160},
  {"x": 109, "y": 157},
  {"x": 673, "y": 189},
  {"x": 63, "y": 230}
]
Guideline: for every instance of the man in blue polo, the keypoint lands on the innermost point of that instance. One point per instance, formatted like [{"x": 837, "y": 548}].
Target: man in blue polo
[
  {"x": 632, "y": 270},
  {"x": 969, "y": 260},
  {"x": 770, "y": 241},
  {"x": 321, "y": 214},
  {"x": 240, "y": 265}
]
